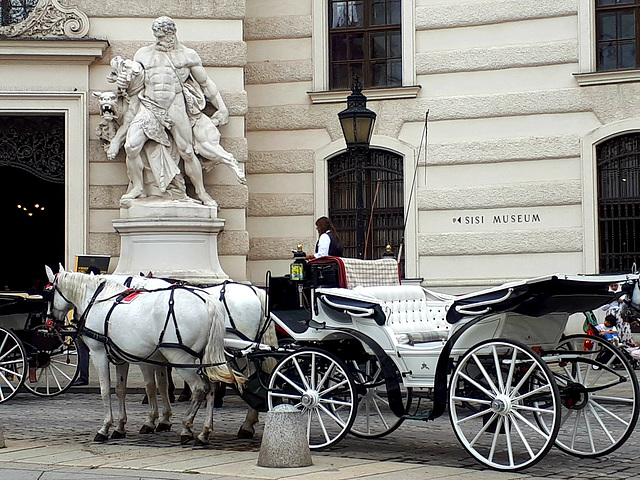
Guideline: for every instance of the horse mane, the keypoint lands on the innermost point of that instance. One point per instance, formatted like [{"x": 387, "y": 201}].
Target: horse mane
[{"x": 79, "y": 283}]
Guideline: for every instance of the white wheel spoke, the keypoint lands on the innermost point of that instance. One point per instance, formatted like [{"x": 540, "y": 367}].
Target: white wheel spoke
[
  {"x": 484, "y": 428},
  {"x": 523, "y": 438},
  {"x": 494, "y": 442},
  {"x": 610, "y": 413},
  {"x": 477, "y": 385},
  {"x": 324, "y": 429},
  {"x": 472, "y": 417},
  {"x": 291, "y": 382},
  {"x": 530, "y": 425},
  {"x": 496, "y": 362},
  {"x": 507, "y": 435},
  {"x": 533, "y": 409},
  {"x": 606, "y": 398},
  {"x": 523, "y": 380},
  {"x": 331, "y": 415},
  {"x": 532, "y": 392},
  {"x": 486, "y": 375},
  {"x": 302, "y": 377},
  {"x": 472, "y": 400},
  {"x": 333, "y": 387},
  {"x": 602, "y": 425}
]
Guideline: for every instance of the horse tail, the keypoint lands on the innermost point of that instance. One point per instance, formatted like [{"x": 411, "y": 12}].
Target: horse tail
[{"x": 214, "y": 351}]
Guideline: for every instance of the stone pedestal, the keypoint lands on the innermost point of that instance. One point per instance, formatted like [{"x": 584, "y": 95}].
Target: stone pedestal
[{"x": 171, "y": 239}]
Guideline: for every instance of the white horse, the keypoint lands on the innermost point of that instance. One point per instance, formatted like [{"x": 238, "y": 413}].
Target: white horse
[
  {"x": 181, "y": 326},
  {"x": 244, "y": 314}
]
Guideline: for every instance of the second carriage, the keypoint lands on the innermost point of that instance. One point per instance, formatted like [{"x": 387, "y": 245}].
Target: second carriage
[{"x": 363, "y": 353}]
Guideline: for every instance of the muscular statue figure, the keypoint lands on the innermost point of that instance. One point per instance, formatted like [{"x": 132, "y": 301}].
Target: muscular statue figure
[{"x": 165, "y": 118}]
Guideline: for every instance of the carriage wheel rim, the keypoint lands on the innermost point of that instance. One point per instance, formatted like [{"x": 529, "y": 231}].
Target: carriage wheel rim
[
  {"x": 13, "y": 365},
  {"x": 498, "y": 431},
  {"x": 316, "y": 395},
  {"x": 609, "y": 414}
]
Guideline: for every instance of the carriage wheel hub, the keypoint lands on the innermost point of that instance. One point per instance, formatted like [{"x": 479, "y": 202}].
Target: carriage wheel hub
[
  {"x": 310, "y": 399},
  {"x": 501, "y": 404}
]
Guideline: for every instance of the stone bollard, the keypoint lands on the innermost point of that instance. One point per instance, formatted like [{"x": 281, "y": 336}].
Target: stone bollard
[{"x": 284, "y": 440}]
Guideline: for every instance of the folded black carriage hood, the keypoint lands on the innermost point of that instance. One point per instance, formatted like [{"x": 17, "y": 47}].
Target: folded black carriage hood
[{"x": 541, "y": 296}]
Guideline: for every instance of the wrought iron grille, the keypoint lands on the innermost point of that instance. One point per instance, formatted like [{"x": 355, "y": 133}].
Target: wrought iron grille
[
  {"x": 15, "y": 11},
  {"x": 618, "y": 162},
  {"x": 34, "y": 144},
  {"x": 380, "y": 218}
]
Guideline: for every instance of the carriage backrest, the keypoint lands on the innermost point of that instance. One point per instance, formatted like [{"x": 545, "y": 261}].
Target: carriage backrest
[
  {"x": 409, "y": 312},
  {"x": 353, "y": 272}
]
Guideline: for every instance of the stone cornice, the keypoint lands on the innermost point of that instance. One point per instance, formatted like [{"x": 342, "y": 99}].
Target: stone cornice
[{"x": 52, "y": 50}]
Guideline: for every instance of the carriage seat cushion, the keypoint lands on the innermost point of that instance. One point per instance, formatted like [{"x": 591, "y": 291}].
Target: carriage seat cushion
[{"x": 411, "y": 317}]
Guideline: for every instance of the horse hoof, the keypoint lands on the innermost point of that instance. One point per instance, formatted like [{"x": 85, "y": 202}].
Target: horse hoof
[
  {"x": 117, "y": 435},
  {"x": 163, "y": 427},
  {"x": 184, "y": 439},
  {"x": 199, "y": 443},
  {"x": 245, "y": 434},
  {"x": 100, "y": 438},
  {"x": 146, "y": 429}
]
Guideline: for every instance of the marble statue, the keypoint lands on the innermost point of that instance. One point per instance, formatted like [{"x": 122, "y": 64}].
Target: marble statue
[{"x": 157, "y": 113}]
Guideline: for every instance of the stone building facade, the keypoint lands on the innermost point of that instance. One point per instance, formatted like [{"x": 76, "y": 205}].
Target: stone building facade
[{"x": 502, "y": 183}]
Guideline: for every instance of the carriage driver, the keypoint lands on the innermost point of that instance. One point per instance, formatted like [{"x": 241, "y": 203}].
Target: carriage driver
[{"x": 328, "y": 241}]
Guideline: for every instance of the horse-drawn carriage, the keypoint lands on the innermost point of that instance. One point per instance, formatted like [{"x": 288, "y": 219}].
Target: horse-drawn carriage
[
  {"x": 369, "y": 353},
  {"x": 32, "y": 355},
  {"x": 360, "y": 353}
]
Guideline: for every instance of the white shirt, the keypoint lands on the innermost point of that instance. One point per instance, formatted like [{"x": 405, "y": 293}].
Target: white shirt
[{"x": 323, "y": 245}]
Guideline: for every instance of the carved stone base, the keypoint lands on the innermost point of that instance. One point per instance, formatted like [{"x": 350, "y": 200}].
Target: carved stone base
[{"x": 173, "y": 239}]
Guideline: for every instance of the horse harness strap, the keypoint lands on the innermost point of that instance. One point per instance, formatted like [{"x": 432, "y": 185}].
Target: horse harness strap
[
  {"x": 171, "y": 315},
  {"x": 234, "y": 329}
]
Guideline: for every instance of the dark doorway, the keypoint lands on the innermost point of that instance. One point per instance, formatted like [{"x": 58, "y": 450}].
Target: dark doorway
[
  {"x": 32, "y": 198},
  {"x": 618, "y": 161},
  {"x": 380, "y": 220}
]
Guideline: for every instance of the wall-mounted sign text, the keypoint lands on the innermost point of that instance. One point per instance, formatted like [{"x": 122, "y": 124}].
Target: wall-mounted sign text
[{"x": 497, "y": 219}]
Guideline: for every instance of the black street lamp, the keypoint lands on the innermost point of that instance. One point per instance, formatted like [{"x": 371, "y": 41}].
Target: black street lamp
[{"x": 357, "y": 126}]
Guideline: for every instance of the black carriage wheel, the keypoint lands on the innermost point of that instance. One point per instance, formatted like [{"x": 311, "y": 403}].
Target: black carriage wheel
[
  {"x": 317, "y": 382},
  {"x": 13, "y": 364},
  {"x": 52, "y": 372},
  {"x": 374, "y": 418},
  {"x": 498, "y": 389},
  {"x": 599, "y": 395}
]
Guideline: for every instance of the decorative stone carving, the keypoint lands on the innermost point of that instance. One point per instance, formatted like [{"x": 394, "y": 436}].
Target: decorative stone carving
[
  {"x": 158, "y": 114},
  {"x": 49, "y": 19}
]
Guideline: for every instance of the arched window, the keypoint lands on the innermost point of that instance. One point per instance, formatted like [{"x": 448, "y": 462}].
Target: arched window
[
  {"x": 367, "y": 229},
  {"x": 618, "y": 161}
]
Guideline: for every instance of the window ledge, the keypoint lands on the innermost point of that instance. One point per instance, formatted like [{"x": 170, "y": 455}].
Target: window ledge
[
  {"x": 340, "y": 96},
  {"x": 602, "y": 78}
]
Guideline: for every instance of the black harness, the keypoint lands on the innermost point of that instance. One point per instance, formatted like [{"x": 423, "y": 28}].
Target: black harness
[
  {"x": 234, "y": 329},
  {"x": 114, "y": 352}
]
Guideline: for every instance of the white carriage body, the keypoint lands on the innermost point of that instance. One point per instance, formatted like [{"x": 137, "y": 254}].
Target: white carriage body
[{"x": 415, "y": 328}]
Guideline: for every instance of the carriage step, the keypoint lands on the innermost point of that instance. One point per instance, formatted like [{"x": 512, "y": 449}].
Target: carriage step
[{"x": 424, "y": 416}]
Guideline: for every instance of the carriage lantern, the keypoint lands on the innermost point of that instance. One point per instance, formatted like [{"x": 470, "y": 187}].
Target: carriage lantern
[{"x": 296, "y": 269}]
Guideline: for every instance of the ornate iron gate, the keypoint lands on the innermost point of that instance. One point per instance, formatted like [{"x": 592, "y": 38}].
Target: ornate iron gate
[
  {"x": 380, "y": 220},
  {"x": 618, "y": 161}
]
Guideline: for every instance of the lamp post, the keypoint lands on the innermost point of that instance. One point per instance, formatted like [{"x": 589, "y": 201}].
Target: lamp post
[{"x": 357, "y": 126}]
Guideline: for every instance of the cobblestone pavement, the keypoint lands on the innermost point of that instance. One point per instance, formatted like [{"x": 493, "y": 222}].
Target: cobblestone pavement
[{"x": 75, "y": 417}]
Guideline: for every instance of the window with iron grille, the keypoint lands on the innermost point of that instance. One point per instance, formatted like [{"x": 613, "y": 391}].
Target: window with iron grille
[
  {"x": 380, "y": 218},
  {"x": 617, "y": 34},
  {"x": 365, "y": 40},
  {"x": 15, "y": 11},
  {"x": 619, "y": 203}
]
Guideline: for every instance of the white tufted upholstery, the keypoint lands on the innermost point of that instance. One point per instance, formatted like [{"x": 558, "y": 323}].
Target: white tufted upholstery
[{"x": 411, "y": 317}]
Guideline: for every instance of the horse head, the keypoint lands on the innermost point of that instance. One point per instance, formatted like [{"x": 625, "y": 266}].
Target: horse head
[{"x": 59, "y": 305}]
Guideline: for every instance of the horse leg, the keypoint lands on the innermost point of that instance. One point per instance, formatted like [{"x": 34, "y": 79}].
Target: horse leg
[
  {"x": 122, "y": 372},
  {"x": 161, "y": 374},
  {"x": 247, "y": 429},
  {"x": 219, "y": 391},
  {"x": 101, "y": 364},
  {"x": 203, "y": 438},
  {"x": 148, "y": 374}
]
